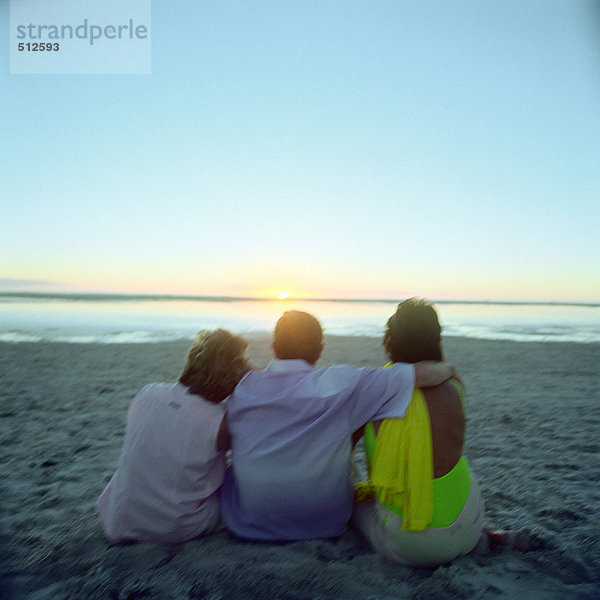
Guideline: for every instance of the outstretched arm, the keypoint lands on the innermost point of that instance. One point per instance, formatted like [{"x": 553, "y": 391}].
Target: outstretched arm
[{"x": 430, "y": 372}]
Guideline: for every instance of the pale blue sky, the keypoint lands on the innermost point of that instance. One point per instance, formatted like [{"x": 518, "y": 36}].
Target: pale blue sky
[{"x": 338, "y": 149}]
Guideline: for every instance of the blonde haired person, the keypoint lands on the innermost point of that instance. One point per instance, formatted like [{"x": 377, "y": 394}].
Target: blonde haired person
[{"x": 172, "y": 463}]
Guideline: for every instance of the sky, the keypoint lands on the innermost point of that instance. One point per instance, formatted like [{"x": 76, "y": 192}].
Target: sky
[{"x": 449, "y": 150}]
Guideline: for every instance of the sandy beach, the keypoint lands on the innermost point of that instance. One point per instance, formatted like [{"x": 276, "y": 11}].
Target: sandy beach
[{"x": 533, "y": 422}]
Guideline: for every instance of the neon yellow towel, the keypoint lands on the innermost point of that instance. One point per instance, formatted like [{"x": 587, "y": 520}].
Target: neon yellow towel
[{"x": 402, "y": 469}]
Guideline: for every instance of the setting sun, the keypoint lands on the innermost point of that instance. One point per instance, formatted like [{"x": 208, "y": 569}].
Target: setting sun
[{"x": 283, "y": 295}]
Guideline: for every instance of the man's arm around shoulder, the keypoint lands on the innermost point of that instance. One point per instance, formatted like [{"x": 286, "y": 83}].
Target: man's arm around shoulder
[{"x": 429, "y": 373}]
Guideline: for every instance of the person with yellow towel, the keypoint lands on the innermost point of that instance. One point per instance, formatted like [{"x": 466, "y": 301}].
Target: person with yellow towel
[{"x": 425, "y": 507}]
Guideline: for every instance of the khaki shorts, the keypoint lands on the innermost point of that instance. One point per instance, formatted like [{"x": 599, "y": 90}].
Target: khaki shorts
[{"x": 427, "y": 548}]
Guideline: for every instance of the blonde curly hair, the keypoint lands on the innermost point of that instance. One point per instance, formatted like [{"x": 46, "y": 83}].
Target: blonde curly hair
[{"x": 215, "y": 363}]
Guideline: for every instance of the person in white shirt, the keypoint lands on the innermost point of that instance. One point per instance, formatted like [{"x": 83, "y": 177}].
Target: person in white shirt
[
  {"x": 291, "y": 429},
  {"x": 173, "y": 457}
]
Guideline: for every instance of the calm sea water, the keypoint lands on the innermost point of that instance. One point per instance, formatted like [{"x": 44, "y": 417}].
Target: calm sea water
[{"x": 143, "y": 319}]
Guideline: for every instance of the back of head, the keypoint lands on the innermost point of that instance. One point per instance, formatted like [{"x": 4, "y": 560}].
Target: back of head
[
  {"x": 214, "y": 364},
  {"x": 298, "y": 335},
  {"x": 413, "y": 333}
]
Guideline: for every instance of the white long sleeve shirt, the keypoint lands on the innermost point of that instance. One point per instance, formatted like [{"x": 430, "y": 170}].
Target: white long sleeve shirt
[{"x": 291, "y": 428}]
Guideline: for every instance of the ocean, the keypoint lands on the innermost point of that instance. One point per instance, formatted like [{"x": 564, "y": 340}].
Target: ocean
[{"x": 103, "y": 318}]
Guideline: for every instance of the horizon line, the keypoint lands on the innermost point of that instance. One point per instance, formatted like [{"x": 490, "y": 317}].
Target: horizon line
[{"x": 197, "y": 297}]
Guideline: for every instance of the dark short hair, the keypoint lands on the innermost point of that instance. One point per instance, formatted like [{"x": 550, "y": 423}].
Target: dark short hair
[
  {"x": 215, "y": 363},
  {"x": 298, "y": 335},
  {"x": 413, "y": 333}
]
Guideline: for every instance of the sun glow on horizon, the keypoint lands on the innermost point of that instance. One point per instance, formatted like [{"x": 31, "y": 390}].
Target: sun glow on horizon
[{"x": 276, "y": 293}]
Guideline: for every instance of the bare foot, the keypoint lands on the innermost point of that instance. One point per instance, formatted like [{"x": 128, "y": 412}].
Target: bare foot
[{"x": 520, "y": 540}]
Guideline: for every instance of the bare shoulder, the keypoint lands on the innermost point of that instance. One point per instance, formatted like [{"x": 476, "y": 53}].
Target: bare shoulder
[
  {"x": 446, "y": 391},
  {"x": 444, "y": 400},
  {"x": 447, "y": 426}
]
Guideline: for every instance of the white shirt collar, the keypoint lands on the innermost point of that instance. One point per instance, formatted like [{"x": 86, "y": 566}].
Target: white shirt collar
[{"x": 288, "y": 365}]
